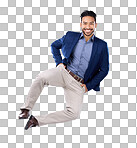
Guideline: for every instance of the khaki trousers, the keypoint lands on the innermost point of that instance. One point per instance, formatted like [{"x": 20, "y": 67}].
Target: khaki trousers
[{"x": 73, "y": 92}]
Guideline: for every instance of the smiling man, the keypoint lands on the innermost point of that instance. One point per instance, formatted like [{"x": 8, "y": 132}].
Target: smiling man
[
  {"x": 88, "y": 25},
  {"x": 85, "y": 65}
]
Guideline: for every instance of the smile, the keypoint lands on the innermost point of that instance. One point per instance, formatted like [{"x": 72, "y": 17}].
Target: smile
[{"x": 88, "y": 31}]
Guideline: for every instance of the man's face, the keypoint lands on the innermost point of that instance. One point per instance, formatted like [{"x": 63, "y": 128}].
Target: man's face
[{"x": 88, "y": 25}]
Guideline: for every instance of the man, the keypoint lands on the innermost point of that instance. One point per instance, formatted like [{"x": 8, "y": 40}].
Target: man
[{"x": 85, "y": 65}]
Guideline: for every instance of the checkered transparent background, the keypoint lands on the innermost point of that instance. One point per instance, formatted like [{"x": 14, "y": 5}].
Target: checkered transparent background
[{"x": 108, "y": 117}]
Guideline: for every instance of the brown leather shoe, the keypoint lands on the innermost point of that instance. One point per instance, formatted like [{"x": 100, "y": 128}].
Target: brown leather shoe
[
  {"x": 24, "y": 114},
  {"x": 32, "y": 122}
]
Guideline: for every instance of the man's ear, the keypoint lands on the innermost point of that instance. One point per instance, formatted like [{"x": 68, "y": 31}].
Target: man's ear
[
  {"x": 80, "y": 24},
  {"x": 96, "y": 25}
]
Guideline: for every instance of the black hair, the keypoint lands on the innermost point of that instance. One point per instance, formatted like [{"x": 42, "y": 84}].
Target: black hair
[{"x": 88, "y": 13}]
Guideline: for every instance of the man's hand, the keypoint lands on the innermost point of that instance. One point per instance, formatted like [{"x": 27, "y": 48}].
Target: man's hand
[
  {"x": 63, "y": 65},
  {"x": 84, "y": 85}
]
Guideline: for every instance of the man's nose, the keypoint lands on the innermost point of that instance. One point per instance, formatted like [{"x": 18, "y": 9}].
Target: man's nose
[{"x": 88, "y": 26}]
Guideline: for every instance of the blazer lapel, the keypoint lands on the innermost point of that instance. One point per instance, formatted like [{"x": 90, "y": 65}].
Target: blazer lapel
[
  {"x": 70, "y": 42},
  {"x": 94, "y": 50},
  {"x": 74, "y": 42},
  {"x": 91, "y": 62}
]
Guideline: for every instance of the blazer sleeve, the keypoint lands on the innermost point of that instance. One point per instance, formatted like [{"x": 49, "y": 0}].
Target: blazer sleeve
[
  {"x": 103, "y": 71},
  {"x": 55, "y": 49}
]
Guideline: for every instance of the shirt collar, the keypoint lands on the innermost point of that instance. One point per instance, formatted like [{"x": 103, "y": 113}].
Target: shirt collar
[{"x": 92, "y": 38}]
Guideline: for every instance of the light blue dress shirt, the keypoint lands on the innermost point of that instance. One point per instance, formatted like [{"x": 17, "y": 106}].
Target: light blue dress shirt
[{"x": 80, "y": 56}]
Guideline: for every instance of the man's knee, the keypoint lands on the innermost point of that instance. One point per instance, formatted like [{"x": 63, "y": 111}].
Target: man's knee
[
  {"x": 76, "y": 116},
  {"x": 45, "y": 74},
  {"x": 73, "y": 114}
]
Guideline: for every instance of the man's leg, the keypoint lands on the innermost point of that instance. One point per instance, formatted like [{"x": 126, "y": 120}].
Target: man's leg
[
  {"x": 48, "y": 77},
  {"x": 74, "y": 99}
]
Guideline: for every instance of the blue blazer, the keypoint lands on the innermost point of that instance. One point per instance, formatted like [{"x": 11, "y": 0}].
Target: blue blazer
[{"x": 99, "y": 61}]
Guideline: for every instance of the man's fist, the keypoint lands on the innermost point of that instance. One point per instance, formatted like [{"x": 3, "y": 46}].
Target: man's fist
[
  {"x": 84, "y": 85},
  {"x": 63, "y": 64}
]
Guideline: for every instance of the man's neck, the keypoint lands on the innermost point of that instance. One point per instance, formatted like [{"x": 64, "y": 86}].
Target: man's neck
[{"x": 87, "y": 37}]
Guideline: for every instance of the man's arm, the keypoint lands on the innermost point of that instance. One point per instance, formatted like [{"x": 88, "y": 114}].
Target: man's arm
[
  {"x": 55, "y": 49},
  {"x": 104, "y": 68}
]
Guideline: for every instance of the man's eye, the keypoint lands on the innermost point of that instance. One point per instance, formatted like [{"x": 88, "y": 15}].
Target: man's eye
[{"x": 90, "y": 23}]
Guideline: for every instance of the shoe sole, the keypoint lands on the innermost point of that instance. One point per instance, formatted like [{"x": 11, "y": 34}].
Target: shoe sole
[{"x": 26, "y": 127}]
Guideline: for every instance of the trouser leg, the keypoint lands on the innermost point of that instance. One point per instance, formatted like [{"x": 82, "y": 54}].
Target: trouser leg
[
  {"x": 51, "y": 77},
  {"x": 74, "y": 98}
]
